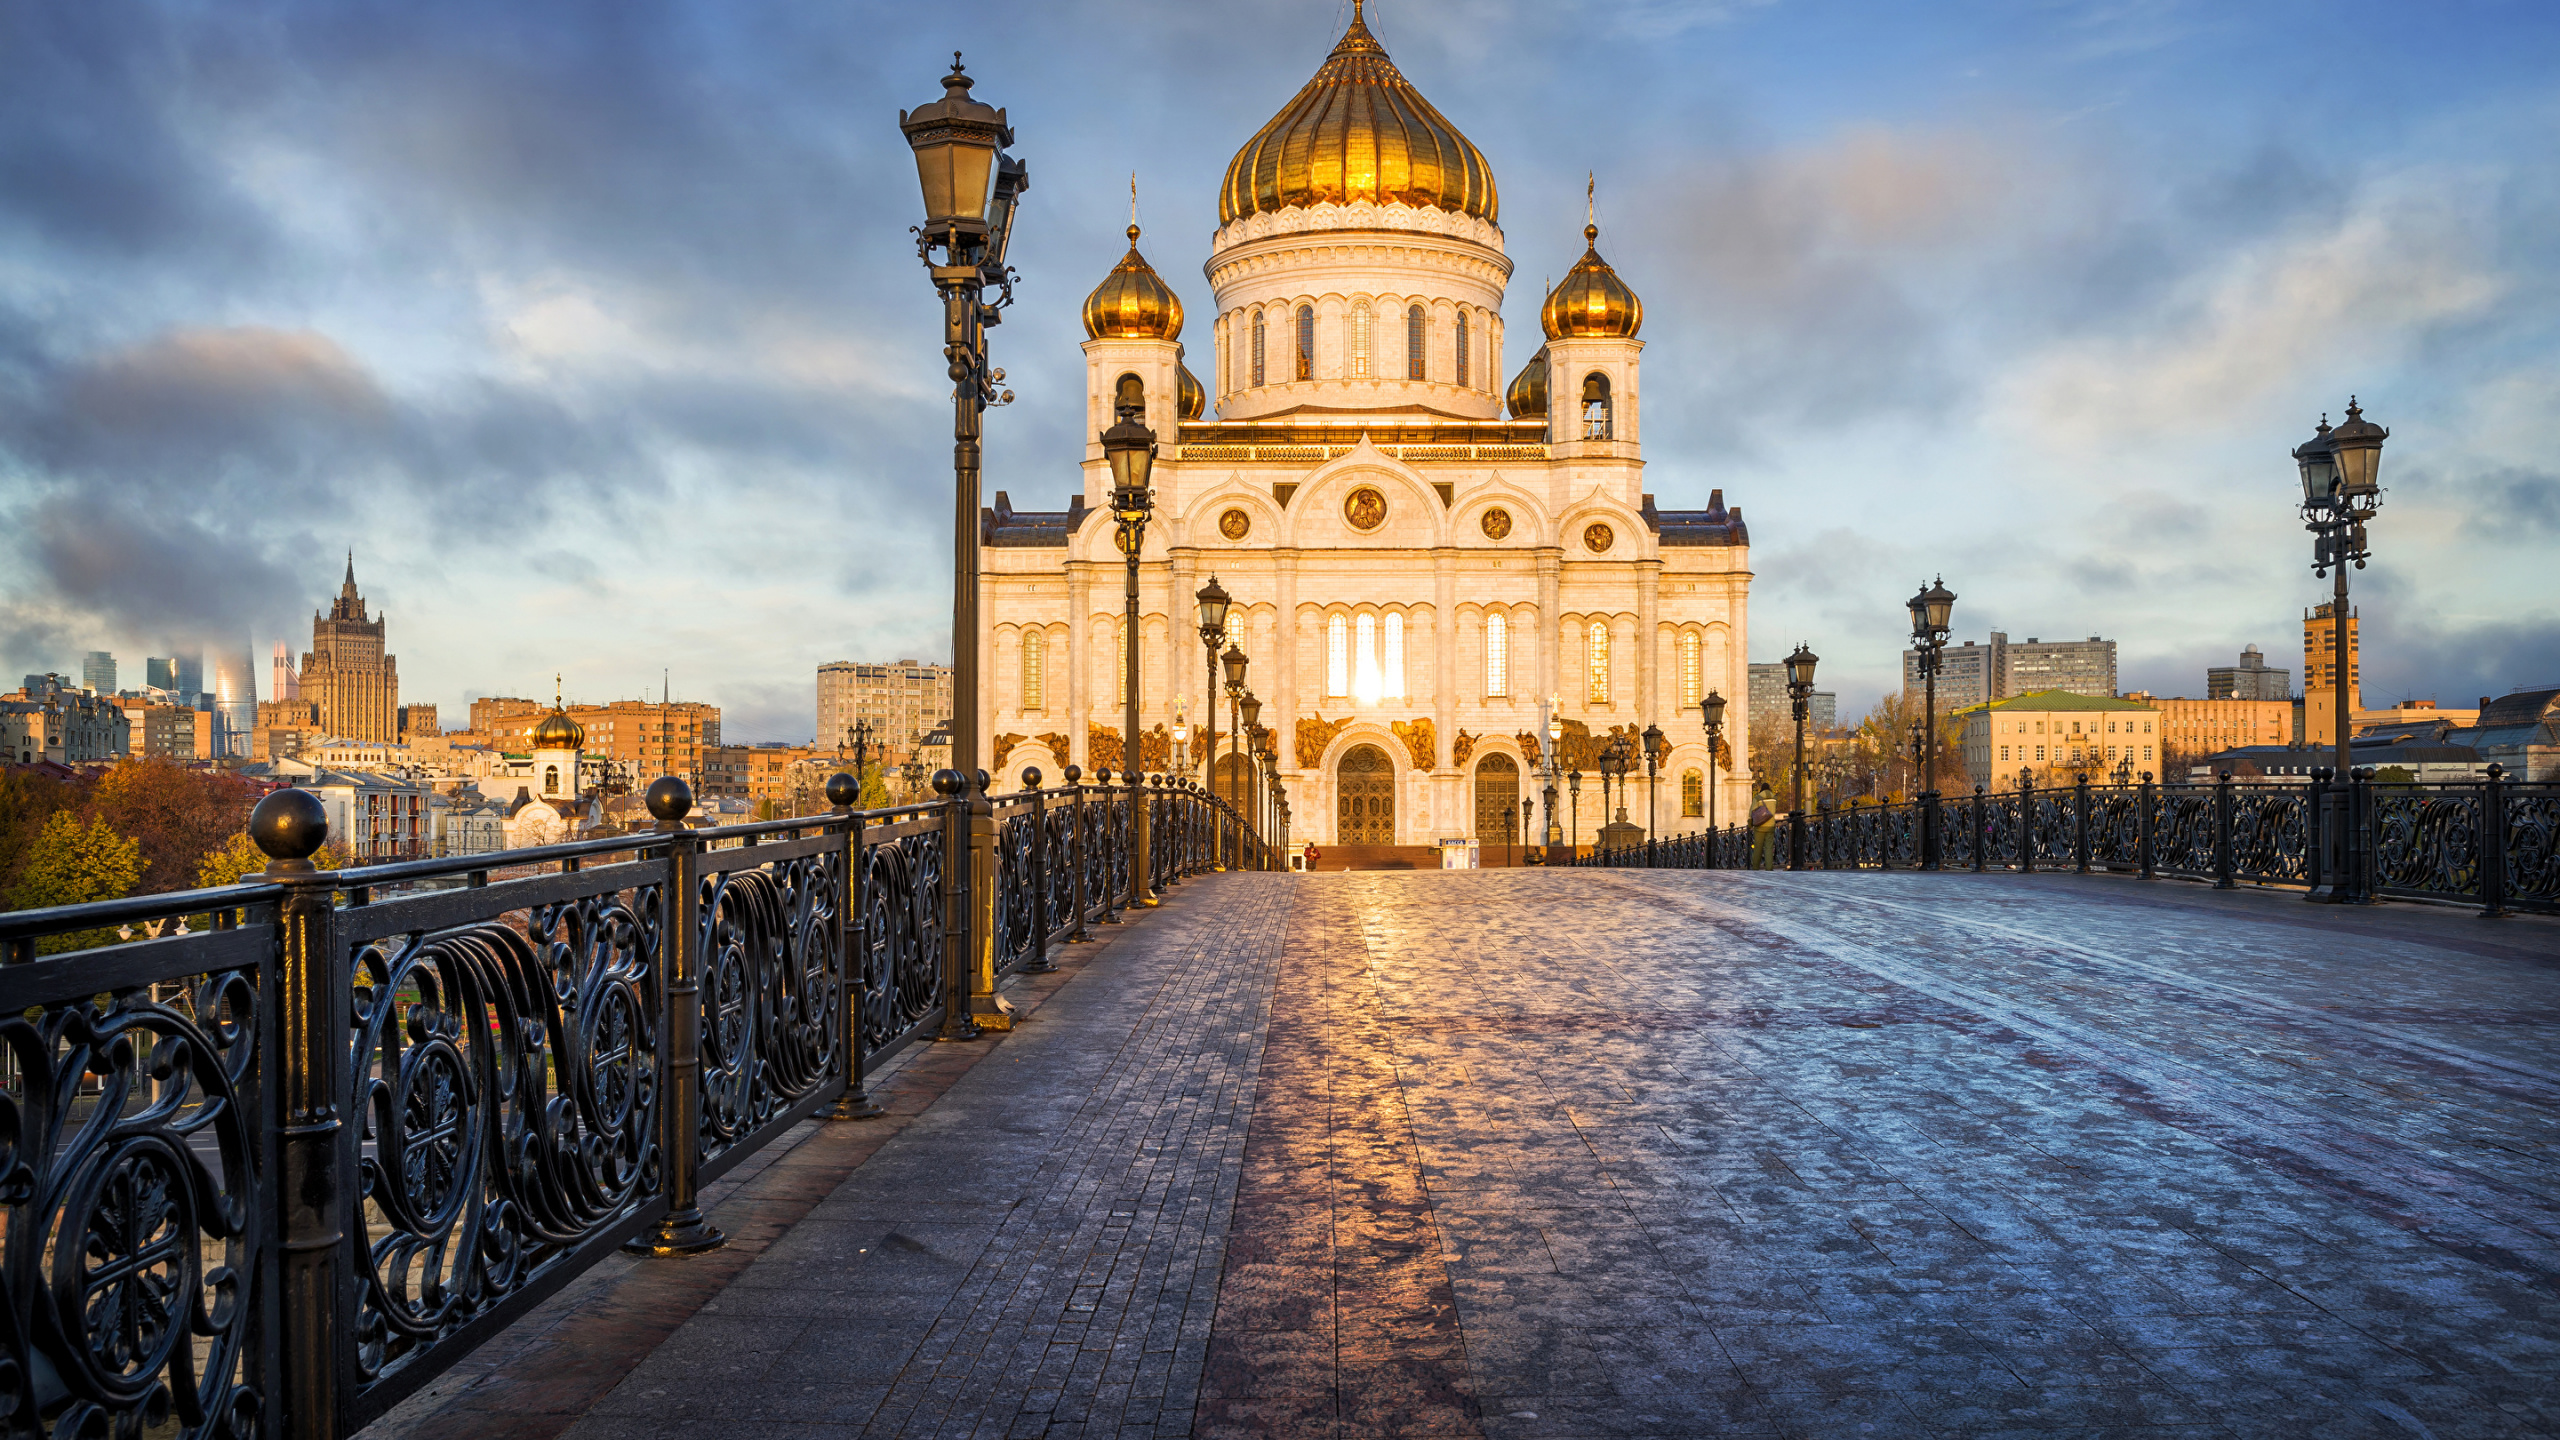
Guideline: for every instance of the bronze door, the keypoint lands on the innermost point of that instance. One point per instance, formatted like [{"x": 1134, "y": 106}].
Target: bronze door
[
  {"x": 1365, "y": 798},
  {"x": 1497, "y": 801}
]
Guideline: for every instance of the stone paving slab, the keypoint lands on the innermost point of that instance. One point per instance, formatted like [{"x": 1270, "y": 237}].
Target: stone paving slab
[{"x": 1533, "y": 1153}]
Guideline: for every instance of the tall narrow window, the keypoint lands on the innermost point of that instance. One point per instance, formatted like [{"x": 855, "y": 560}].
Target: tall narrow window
[
  {"x": 1337, "y": 656},
  {"x": 1034, "y": 692},
  {"x": 1595, "y": 406},
  {"x": 1497, "y": 657},
  {"x": 1599, "y": 663},
  {"x": 1257, "y": 347},
  {"x": 1364, "y": 659},
  {"x": 1693, "y": 793},
  {"x": 1360, "y": 340},
  {"x": 1120, "y": 653},
  {"x": 1692, "y": 680},
  {"x": 1394, "y": 664},
  {"x": 1413, "y": 338},
  {"x": 1306, "y": 361},
  {"x": 1462, "y": 350}
]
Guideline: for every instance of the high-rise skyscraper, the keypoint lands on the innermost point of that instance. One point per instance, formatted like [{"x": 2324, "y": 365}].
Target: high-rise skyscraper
[
  {"x": 285, "y": 684},
  {"x": 98, "y": 672},
  {"x": 160, "y": 672},
  {"x": 2320, "y": 673},
  {"x": 2251, "y": 679},
  {"x": 903, "y": 701},
  {"x": 346, "y": 676},
  {"x": 235, "y": 699},
  {"x": 191, "y": 679}
]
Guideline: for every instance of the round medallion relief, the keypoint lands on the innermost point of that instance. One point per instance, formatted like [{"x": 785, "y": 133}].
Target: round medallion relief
[
  {"x": 1365, "y": 508},
  {"x": 1597, "y": 538},
  {"x": 1235, "y": 524},
  {"x": 1497, "y": 523}
]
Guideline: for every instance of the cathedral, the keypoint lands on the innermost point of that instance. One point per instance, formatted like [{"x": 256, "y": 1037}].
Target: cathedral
[{"x": 1426, "y": 562}]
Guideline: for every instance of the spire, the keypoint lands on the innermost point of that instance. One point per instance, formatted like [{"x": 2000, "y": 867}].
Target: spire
[{"x": 350, "y": 586}]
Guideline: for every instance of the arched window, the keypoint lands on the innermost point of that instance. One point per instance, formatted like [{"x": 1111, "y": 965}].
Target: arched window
[
  {"x": 1497, "y": 657},
  {"x": 1413, "y": 338},
  {"x": 1692, "y": 677},
  {"x": 1360, "y": 340},
  {"x": 1306, "y": 361},
  {"x": 1394, "y": 663},
  {"x": 1337, "y": 656},
  {"x": 1598, "y": 694},
  {"x": 1257, "y": 347},
  {"x": 550, "y": 779},
  {"x": 1034, "y": 690},
  {"x": 1693, "y": 793},
  {"x": 1364, "y": 659},
  {"x": 1595, "y": 406},
  {"x": 1462, "y": 349}
]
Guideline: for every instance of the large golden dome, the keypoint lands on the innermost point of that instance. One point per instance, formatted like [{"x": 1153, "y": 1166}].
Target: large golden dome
[
  {"x": 1190, "y": 401},
  {"x": 1528, "y": 393},
  {"x": 1591, "y": 302},
  {"x": 558, "y": 732},
  {"x": 1132, "y": 302},
  {"x": 1358, "y": 131}
]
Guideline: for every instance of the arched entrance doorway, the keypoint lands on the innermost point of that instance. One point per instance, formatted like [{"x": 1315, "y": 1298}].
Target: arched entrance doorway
[
  {"x": 1234, "y": 782},
  {"x": 1497, "y": 801},
  {"x": 1364, "y": 789}
]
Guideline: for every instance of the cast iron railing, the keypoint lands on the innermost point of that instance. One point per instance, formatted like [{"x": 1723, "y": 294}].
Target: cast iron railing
[
  {"x": 2491, "y": 842},
  {"x": 268, "y": 1176}
]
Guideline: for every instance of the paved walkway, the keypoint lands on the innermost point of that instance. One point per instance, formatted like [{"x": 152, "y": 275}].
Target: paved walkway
[{"x": 1578, "y": 1153}]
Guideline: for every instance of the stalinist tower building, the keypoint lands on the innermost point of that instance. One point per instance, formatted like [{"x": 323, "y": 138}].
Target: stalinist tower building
[
  {"x": 349, "y": 682},
  {"x": 1429, "y": 549}
]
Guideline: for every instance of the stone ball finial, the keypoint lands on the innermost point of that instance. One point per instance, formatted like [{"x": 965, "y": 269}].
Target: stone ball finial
[
  {"x": 842, "y": 790},
  {"x": 1030, "y": 777},
  {"x": 948, "y": 783},
  {"x": 1102, "y": 776},
  {"x": 1075, "y": 774},
  {"x": 290, "y": 826},
  {"x": 670, "y": 800}
]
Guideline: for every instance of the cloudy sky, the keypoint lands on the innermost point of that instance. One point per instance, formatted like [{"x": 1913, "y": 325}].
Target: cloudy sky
[{"x": 593, "y": 328}]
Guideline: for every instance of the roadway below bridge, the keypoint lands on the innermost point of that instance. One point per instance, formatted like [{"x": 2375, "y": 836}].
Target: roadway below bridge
[{"x": 1614, "y": 1153}]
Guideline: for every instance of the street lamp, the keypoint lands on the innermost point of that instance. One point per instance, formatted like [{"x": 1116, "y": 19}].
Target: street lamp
[
  {"x": 1931, "y": 610},
  {"x": 1712, "y": 708},
  {"x": 1234, "y": 663},
  {"x": 1528, "y": 812},
  {"x": 1555, "y": 743},
  {"x": 1800, "y": 697},
  {"x": 1130, "y": 447},
  {"x": 1250, "y": 709},
  {"x": 1214, "y": 602},
  {"x": 2341, "y": 490},
  {"x": 970, "y": 188},
  {"x": 1574, "y": 782},
  {"x": 1654, "y": 752}
]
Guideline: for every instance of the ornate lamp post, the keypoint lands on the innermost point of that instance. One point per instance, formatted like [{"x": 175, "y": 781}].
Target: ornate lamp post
[
  {"x": 2341, "y": 490},
  {"x": 1234, "y": 664},
  {"x": 1249, "y": 786},
  {"x": 1932, "y": 608},
  {"x": 1800, "y": 698},
  {"x": 1213, "y": 601},
  {"x": 1655, "y": 749},
  {"x": 1130, "y": 447},
  {"x": 1528, "y": 813},
  {"x": 1712, "y": 710},
  {"x": 1555, "y": 743},
  {"x": 1573, "y": 782},
  {"x": 970, "y": 190}
]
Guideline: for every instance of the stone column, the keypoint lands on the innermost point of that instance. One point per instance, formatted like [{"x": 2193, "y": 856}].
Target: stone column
[
  {"x": 1549, "y": 628},
  {"x": 1284, "y": 691},
  {"x": 1182, "y": 672},
  {"x": 1079, "y": 651},
  {"x": 1444, "y": 672},
  {"x": 1648, "y": 668}
]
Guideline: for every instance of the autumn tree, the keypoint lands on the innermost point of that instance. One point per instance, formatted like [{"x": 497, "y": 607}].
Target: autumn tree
[
  {"x": 29, "y": 798},
  {"x": 177, "y": 814},
  {"x": 75, "y": 862}
]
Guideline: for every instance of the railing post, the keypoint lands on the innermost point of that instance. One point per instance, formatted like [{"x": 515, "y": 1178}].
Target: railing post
[
  {"x": 2026, "y": 823},
  {"x": 959, "y": 917},
  {"x": 1038, "y": 964},
  {"x": 1929, "y": 856},
  {"x": 856, "y": 1102},
  {"x": 2146, "y": 824},
  {"x": 313, "y": 1192},
  {"x": 1077, "y": 852},
  {"x": 1980, "y": 832},
  {"x": 2222, "y": 863},
  {"x": 684, "y": 1229},
  {"x": 2493, "y": 844},
  {"x": 2080, "y": 808},
  {"x": 2318, "y": 864}
]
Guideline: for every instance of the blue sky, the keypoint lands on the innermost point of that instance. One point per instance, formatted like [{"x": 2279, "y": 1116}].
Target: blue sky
[{"x": 594, "y": 328}]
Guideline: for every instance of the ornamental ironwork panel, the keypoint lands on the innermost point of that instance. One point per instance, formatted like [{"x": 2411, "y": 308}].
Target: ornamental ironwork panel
[
  {"x": 2054, "y": 829},
  {"x": 898, "y": 961},
  {"x": 2271, "y": 833},
  {"x": 1959, "y": 832},
  {"x": 1899, "y": 837},
  {"x": 2115, "y": 827},
  {"x": 506, "y": 1075},
  {"x": 2532, "y": 831},
  {"x": 1016, "y": 877},
  {"x": 135, "y": 1240},
  {"x": 2427, "y": 842},
  {"x": 2182, "y": 831},
  {"x": 772, "y": 971},
  {"x": 2000, "y": 827},
  {"x": 1058, "y": 869}
]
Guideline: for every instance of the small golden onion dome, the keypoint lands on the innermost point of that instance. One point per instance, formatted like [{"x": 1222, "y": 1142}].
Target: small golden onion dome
[
  {"x": 1191, "y": 401},
  {"x": 558, "y": 732},
  {"x": 1358, "y": 131},
  {"x": 1591, "y": 302},
  {"x": 1528, "y": 394},
  {"x": 1132, "y": 302}
]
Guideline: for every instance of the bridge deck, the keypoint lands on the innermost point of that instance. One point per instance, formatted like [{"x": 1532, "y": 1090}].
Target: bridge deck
[{"x": 1532, "y": 1153}]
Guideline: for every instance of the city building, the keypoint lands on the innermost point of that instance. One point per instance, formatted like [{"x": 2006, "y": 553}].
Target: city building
[
  {"x": 284, "y": 683},
  {"x": 650, "y": 738},
  {"x": 2001, "y": 668},
  {"x": 160, "y": 673},
  {"x": 1967, "y": 675},
  {"x": 98, "y": 672},
  {"x": 902, "y": 700},
  {"x": 1416, "y": 576},
  {"x": 235, "y": 700},
  {"x": 166, "y": 731},
  {"x": 372, "y": 817},
  {"x": 65, "y": 725},
  {"x": 418, "y": 720},
  {"x": 1771, "y": 715},
  {"x": 190, "y": 677},
  {"x": 2521, "y": 732},
  {"x": 2056, "y": 735},
  {"x": 2190, "y": 729},
  {"x": 284, "y": 730},
  {"x": 2320, "y": 674},
  {"x": 505, "y": 719},
  {"x": 2251, "y": 679},
  {"x": 351, "y": 682}
]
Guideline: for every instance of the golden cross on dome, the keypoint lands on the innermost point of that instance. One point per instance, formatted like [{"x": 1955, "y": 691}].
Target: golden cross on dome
[
  {"x": 555, "y": 690},
  {"x": 1591, "y": 197}
]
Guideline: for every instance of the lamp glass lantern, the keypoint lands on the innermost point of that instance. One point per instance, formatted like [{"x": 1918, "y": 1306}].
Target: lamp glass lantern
[
  {"x": 1713, "y": 709},
  {"x": 1800, "y": 668},
  {"x": 2355, "y": 449},
  {"x": 1252, "y": 711},
  {"x": 1934, "y": 608},
  {"x": 1214, "y": 601},
  {"x": 1234, "y": 659},
  {"x": 956, "y": 140},
  {"x": 2319, "y": 467}
]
